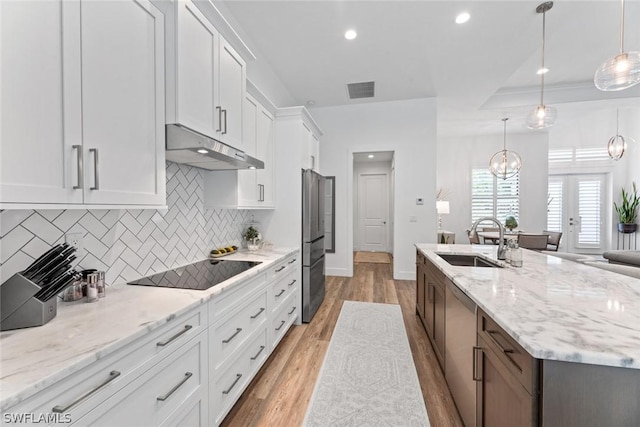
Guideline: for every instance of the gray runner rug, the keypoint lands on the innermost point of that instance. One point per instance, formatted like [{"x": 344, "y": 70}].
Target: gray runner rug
[{"x": 368, "y": 377}]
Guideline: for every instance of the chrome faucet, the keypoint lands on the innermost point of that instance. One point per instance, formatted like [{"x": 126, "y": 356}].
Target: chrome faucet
[{"x": 502, "y": 250}]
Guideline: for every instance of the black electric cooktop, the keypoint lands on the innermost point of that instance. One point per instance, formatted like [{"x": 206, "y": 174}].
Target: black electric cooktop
[{"x": 199, "y": 276}]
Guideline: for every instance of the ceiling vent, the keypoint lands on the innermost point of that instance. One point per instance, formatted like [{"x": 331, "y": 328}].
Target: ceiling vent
[{"x": 361, "y": 90}]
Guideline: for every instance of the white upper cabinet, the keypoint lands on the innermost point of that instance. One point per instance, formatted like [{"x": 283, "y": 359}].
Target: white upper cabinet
[
  {"x": 247, "y": 189},
  {"x": 122, "y": 115},
  {"x": 82, "y": 104},
  {"x": 37, "y": 158},
  {"x": 205, "y": 76},
  {"x": 310, "y": 150}
]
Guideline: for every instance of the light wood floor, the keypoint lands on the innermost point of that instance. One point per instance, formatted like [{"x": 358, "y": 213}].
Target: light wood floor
[{"x": 280, "y": 393}]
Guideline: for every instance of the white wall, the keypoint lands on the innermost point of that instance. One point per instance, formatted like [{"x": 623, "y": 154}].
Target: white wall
[
  {"x": 409, "y": 129},
  {"x": 458, "y": 156}
]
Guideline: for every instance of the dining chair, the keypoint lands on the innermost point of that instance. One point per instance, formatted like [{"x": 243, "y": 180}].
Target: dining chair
[
  {"x": 474, "y": 240},
  {"x": 490, "y": 230},
  {"x": 536, "y": 242},
  {"x": 554, "y": 239}
]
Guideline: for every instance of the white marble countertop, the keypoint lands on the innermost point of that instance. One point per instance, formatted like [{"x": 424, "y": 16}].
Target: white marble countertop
[
  {"x": 34, "y": 358},
  {"x": 556, "y": 309}
]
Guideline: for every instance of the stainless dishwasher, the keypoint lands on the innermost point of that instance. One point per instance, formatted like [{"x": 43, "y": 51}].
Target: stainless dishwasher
[{"x": 460, "y": 338}]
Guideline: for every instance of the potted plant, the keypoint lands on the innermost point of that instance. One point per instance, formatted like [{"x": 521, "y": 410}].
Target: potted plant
[
  {"x": 510, "y": 222},
  {"x": 628, "y": 210},
  {"x": 252, "y": 236}
]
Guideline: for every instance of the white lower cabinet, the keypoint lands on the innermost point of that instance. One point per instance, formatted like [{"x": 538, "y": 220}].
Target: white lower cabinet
[
  {"x": 188, "y": 372},
  {"x": 157, "y": 397}
]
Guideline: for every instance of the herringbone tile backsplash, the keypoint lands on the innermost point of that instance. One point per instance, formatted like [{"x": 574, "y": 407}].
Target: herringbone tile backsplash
[{"x": 127, "y": 244}]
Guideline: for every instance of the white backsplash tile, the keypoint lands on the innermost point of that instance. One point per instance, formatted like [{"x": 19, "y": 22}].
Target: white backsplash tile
[{"x": 127, "y": 244}]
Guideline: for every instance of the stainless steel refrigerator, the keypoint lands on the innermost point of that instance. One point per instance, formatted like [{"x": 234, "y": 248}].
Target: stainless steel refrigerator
[{"x": 312, "y": 243}]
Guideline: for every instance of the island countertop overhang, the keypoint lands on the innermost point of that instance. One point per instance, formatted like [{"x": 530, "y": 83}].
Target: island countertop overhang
[{"x": 556, "y": 309}]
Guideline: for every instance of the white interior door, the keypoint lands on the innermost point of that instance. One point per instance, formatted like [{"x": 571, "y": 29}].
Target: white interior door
[
  {"x": 582, "y": 219},
  {"x": 373, "y": 211}
]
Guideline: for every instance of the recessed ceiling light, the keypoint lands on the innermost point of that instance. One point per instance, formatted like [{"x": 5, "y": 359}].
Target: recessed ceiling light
[
  {"x": 544, "y": 70},
  {"x": 371, "y": 156},
  {"x": 462, "y": 18},
  {"x": 202, "y": 151},
  {"x": 350, "y": 34}
]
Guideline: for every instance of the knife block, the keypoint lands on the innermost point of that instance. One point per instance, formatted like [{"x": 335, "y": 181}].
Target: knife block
[{"x": 19, "y": 308}]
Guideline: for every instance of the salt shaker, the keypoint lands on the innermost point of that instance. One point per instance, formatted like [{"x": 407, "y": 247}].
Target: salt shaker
[{"x": 92, "y": 287}]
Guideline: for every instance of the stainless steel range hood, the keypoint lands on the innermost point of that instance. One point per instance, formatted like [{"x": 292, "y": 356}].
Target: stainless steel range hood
[{"x": 190, "y": 147}]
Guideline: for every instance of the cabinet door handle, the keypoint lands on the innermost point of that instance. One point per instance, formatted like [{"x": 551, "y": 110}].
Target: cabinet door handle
[
  {"x": 475, "y": 363},
  {"x": 292, "y": 261},
  {"x": 228, "y": 340},
  {"x": 292, "y": 282},
  {"x": 505, "y": 351},
  {"x": 79, "y": 166},
  {"x": 59, "y": 409},
  {"x": 292, "y": 310},
  {"x": 258, "y": 313},
  {"x": 219, "y": 108},
  {"x": 278, "y": 270},
  {"x": 225, "y": 122},
  {"x": 163, "y": 343},
  {"x": 258, "y": 353},
  {"x": 96, "y": 182},
  {"x": 227, "y": 391},
  {"x": 162, "y": 398},
  {"x": 279, "y": 294},
  {"x": 282, "y": 322}
]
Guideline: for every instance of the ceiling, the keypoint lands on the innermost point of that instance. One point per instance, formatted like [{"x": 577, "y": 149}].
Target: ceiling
[{"x": 480, "y": 71}]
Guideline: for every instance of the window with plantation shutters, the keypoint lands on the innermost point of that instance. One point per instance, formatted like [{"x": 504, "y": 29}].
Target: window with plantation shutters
[
  {"x": 589, "y": 210},
  {"x": 494, "y": 197},
  {"x": 554, "y": 205}
]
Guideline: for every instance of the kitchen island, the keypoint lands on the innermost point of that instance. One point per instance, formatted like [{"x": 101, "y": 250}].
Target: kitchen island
[
  {"x": 578, "y": 329},
  {"x": 134, "y": 324}
]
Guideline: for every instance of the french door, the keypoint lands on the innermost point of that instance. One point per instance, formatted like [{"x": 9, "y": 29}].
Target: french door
[{"x": 576, "y": 208}]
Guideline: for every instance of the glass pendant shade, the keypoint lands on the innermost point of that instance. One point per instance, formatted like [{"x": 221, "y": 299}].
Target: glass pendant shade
[
  {"x": 505, "y": 164},
  {"x": 543, "y": 116},
  {"x": 623, "y": 70},
  {"x": 618, "y": 73},
  {"x": 616, "y": 147}
]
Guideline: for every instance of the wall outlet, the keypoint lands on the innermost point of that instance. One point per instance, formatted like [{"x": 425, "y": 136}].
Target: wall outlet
[{"x": 75, "y": 240}]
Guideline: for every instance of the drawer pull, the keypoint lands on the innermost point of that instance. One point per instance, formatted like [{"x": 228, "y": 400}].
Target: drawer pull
[
  {"x": 474, "y": 362},
  {"x": 278, "y": 270},
  {"x": 258, "y": 313},
  {"x": 504, "y": 351},
  {"x": 167, "y": 342},
  {"x": 279, "y": 294},
  {"x": 282, "y": 322},
  {"x": 292, "y": 261},
  {"x": 187, "y": 375},
  {"x": 62, "y": 409},
  {"x": 228, "y": 340},
  {"x": 294, "y": 281},
  {"x": 292, "y": 310},
  {"x": 258, "y": 353},
  {"x": 227, "y": 391}
]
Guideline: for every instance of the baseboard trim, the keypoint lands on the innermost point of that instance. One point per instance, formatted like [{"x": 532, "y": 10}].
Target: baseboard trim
[{"x": 341, "y": 272}]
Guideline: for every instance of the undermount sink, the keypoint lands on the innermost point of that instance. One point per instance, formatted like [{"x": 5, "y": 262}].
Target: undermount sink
[{"x": 467, "y": 260}]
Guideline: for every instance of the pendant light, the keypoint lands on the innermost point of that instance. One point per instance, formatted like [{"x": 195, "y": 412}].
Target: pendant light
[
  {"x": 505, "y": 164},
  {"x": 617, "y": 143},
  {"x": 621, "y": 71},
  {"x": 542, "y": 116}
]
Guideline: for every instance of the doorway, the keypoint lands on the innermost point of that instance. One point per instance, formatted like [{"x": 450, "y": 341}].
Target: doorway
[
  {"x": 576, "y": 207},
  {"x": 373, "y": 201}
]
